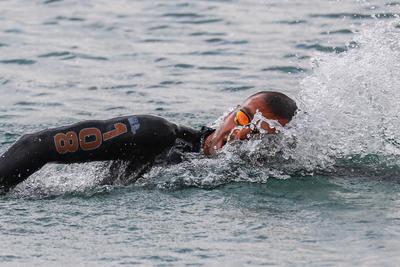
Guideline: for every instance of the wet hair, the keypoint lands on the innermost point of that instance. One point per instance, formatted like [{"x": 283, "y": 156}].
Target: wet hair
[{"x": 280, "y": 104}]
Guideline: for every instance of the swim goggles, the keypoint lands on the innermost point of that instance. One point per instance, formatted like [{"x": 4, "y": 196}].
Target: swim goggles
[{"x": 242, "y": 118}]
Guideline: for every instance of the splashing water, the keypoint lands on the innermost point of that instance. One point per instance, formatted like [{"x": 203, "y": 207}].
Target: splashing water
[
  {"x": 350, "y": 105},
  {"x": 348, "y": 124}
]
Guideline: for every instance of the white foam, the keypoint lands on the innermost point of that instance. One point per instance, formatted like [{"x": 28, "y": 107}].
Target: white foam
[{"x": 349, "y": 112}]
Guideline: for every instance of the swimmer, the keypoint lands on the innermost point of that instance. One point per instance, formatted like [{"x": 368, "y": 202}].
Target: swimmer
[{"x": 140, "y": 141}]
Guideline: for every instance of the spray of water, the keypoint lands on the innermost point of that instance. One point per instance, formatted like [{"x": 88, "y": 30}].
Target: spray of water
[
  {"x": 58, "y": 179},
  {"x": 348, "y": 124},
  {"x": 350, "y": 104}
]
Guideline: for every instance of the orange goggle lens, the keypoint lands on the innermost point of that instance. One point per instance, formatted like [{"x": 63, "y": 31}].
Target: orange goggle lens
[{"x": 241, "y": 118}]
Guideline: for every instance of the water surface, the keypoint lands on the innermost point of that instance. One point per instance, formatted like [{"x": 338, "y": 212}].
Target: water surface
[{"x": 330, "y": 199}]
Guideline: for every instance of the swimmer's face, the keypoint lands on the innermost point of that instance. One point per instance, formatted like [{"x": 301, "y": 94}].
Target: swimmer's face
[{"x": 227, "y": 132}]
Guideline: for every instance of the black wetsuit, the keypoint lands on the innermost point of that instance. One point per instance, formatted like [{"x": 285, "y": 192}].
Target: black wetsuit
[{"x": 137, "y": 139}]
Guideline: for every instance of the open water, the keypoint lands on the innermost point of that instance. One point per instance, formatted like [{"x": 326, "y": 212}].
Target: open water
[{"x": 325, "y": 192}]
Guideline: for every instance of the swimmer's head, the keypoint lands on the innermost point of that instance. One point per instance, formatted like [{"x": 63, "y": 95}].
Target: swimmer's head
[{"x": 273, "y": 106}]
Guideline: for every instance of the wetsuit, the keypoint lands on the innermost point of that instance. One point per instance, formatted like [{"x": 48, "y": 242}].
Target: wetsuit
[{"x": 137, "y": 139}]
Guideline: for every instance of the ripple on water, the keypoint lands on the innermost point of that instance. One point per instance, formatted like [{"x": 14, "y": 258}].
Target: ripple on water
[
  {"x": 191, "y": 18},
  {"x": 18, "y": 61},
  {"x": 40, "y": 94},
  {"x": 292, "y": 22},
  {"x": 160, "y": 59},
  {"x": 122, "y": 86},
  {"x": 132, "y": 92},
  {"x": 296, "y": 56},
  {"x": 51, "y": 1},
  {"x": 238, "y": 88},
  {"x": 8, "y": 137},
  {"x": 322, "y": 48},
  {"x": 4, "y": 81},
  {"x": 169, "y": 82},
  {"x": 85, "y": 56},
  {"x": 218, "y": 68},
  {"x": 45, "y": 104},
  {"x": 216, "y": 52},
  {"x": 160, "y": 27},
  {"x": 203, "y": 21},
  {"x": 342, "y": 31},
  {"x": 6, "y": 258},
  {"x": 183, "y": 15},
  {"x": 286, "y": 69},
  {"x": 207, "y": 34},
  {"x": 215, "y": 40},
  {"x": 209, "y": 52},
  {"x": 115, "y": 108},
  {"x": 224, "y": 41},
  {"x": 156, "y": 40},
  {"x": 355, "y": 16},
  {"x": 69, "y": 18},
  {"x": 66, "y": 55},
  {"x": 56, "y": 54},
  {"x": 13, "y": 30},
  {"x": 184, "y": 66}
]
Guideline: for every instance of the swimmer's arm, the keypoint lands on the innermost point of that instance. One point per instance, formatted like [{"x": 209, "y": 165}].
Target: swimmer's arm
[
  {"x": 121, "y": 138},
  {"x": 81, "y": 142},
  {"x": 102, "y": 140}
]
